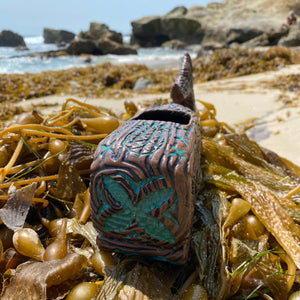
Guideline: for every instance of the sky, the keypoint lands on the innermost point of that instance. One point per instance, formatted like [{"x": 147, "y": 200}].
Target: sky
[{"x": 29, "y": 17}]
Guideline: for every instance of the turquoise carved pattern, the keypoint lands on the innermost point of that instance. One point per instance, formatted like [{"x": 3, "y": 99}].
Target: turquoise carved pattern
[
  {"x": 184, "y": 139},
  {"x": 108, "y": 148},
  {"x": 177, "y": 152},
  {"x": 122, "y": 219},
  {"x": 146, "y": 139}
]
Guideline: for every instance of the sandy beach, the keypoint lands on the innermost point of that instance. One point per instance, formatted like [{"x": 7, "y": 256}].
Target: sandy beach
[{"x": 241, "y": 100}]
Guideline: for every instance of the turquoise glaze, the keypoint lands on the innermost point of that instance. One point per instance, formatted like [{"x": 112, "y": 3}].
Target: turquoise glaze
[{"x": 123, "y": 218}]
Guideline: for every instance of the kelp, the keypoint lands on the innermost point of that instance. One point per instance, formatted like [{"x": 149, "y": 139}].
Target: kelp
[
  {"x": 131, "y": 280},
  {"x": 245, "y": 235},
  {"x": 44, "y": 275},
  {"x": 14, "y": 212},
  {"x": 225, "y": 156},
  {"x": 240, "y": 169},
  {"x": 264, "y": 205}
]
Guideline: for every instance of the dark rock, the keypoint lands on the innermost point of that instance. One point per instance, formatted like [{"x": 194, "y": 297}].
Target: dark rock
[
  {"x": 100, "y": 40},
  {"x": 114, "y": 36},
  {"x": 147, "y": 32},
  {"x": 53, "y": 36},
  {"x": 185, "y": 29},
  {"x": 142, "y": 83},
  {"x": 82, "y": 46},
  {"x": 269, "y": 38},
  {"x": 101, "y": 46},
  {"x": 222, "y": 37},
  {"x": 214, "y": 35},
  {"x": 154, "y": 31},
  {"x": 241, "y": 35},
  {"x": 109, "y": 79},
  {"x": 293, "y": 37},
  {"x": 87, "y": 59},
  {"x": 107, "y": 46},
  {"x": 11, "y": 39},
  {"x": 99, "y": 30}
]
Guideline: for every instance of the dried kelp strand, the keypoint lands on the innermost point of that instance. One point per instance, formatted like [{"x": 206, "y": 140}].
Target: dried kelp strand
[
  {"x": 32, "y": 280},
  {"x": 15, "y": 211}
]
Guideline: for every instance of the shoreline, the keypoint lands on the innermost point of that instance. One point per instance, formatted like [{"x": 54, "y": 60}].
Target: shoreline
[
  {"x": 240, "y": 102},
  {"x": 264, "y": 104}
]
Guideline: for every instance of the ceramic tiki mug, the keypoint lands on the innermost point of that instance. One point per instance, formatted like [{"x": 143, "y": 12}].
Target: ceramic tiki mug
[{"x": 144, "y": 179}]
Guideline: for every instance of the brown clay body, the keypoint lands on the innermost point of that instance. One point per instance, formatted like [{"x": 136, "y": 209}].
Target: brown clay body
[{"x": 143, "y": 182}]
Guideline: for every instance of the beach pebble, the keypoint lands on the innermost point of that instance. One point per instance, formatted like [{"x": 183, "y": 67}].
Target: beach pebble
[{"x": 142, "y": 83}]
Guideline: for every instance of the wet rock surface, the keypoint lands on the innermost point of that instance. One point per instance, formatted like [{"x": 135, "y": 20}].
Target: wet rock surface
[
  {"x": 54, "y": 36},
  {"x": 99, "y": 40},
  {"x": 11, "y": 39}
]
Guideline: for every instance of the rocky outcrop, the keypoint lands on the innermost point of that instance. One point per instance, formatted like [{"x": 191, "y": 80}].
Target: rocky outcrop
[
  {"x": 99, "y": 40},
  {"x": 54, "y": 36},
  {"x": 269, "y": 38},
  {"x": 100, "y": 30},
  {"x": 11, "y": 39},
  {"x": 155, "y": 30},
  {"x": 293, "y": 37},
  {"x": 82, "y": 46},
  {"x": 219, "y": 24}
]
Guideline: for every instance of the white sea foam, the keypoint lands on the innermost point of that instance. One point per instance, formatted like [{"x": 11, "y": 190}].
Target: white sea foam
[
  {"x": 158, "y": 58},
  {"x": 13, "y": 61},
  {"x": 33, "y": 40}
]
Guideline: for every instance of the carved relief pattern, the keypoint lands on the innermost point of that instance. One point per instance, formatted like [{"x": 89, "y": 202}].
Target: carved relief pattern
[{"x": 142, "y": 187}]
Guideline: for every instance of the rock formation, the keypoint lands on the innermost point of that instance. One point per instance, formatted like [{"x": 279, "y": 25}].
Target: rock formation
[
  {"x": 11, "y": 39},
  {"x": 99, "y": 40},
  {"x": 293, "y": 37},
  {"x": 53, "y": 36},
  {"x": 219, "y": 24}
]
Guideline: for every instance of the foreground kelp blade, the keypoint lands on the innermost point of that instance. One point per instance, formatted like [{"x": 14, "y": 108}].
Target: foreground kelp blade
[
  {"x": 276, "y": 220},
  {"x": 34, "y": 280},
  {"x": 14, "y": 212},
  {"x": 261, "y": 157},
  {"x": 250, "y": 255},
  {"x": 207, "y": 244},
  {"x": 265, "y": 206},
  {"x": 265, "y": 173},
  {"x": 133, "y": 279}
]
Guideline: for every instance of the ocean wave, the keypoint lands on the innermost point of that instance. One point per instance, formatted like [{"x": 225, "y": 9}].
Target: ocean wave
[
  {"x": 158, "y": 58},
  {"x": 13, "y": 61},
  {"x": 34, "y": 40}
]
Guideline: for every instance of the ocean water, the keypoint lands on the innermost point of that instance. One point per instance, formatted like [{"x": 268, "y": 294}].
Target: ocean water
[{"x": 13, "y": 61}]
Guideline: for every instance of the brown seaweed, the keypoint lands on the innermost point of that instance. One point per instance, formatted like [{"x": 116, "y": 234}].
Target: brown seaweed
[
  {"x": 245, "y": 236},
  {"x": 34, "y": 280},
  {"x": 14, "y": 212}
]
